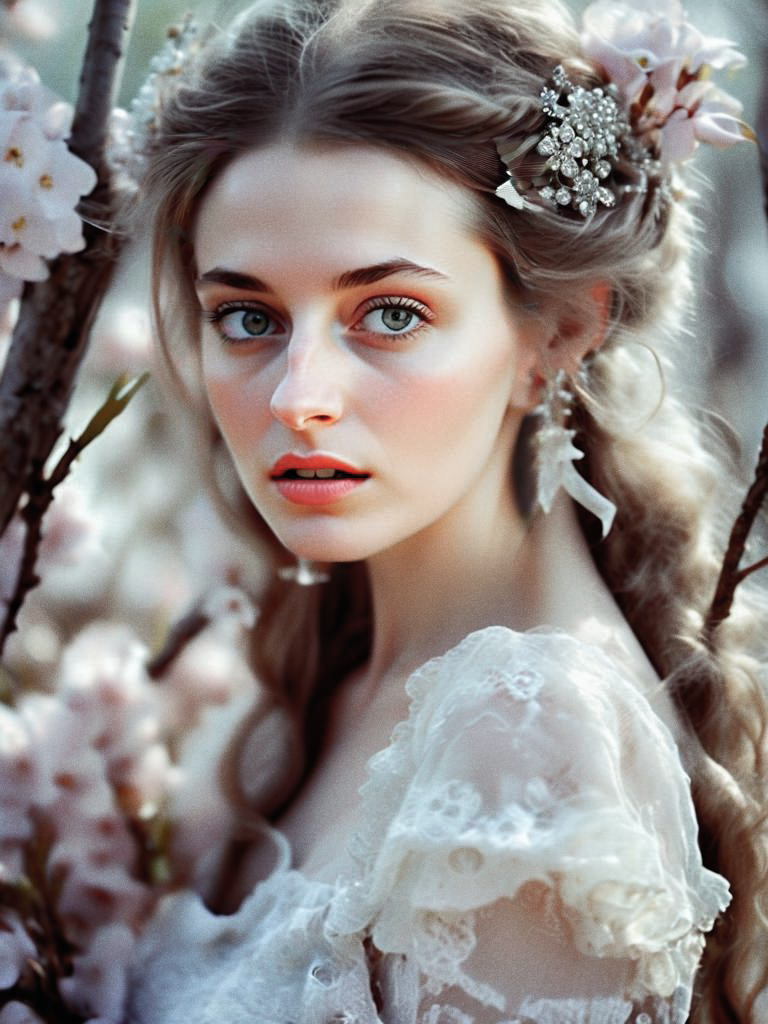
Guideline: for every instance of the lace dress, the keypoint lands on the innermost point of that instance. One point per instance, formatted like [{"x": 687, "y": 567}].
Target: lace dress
[{"x": 525, "y": 852}]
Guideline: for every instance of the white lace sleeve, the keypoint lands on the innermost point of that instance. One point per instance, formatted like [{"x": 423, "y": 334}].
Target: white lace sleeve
[{"x": 529, "y": 842}]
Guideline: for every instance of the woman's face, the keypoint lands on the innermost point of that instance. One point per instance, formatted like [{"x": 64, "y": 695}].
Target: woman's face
[{"x": 359, "y": 356}]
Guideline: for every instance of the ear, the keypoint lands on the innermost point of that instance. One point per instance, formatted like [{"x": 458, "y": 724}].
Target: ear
[
  {"x": 565, "y": 336},
  {"x": 579, "y": 330}
]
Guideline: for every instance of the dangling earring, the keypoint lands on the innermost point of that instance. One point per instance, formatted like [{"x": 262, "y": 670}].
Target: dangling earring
[
  {"x": 556, "y": 453},
  {"x": 304, "y": 573}
]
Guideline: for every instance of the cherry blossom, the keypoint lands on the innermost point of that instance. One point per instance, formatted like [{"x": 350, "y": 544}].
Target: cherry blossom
[
  {"x": 41, "y": 182},
  {"x": 31, "y": 18},
  {"x": 18, "y": 1013},
  {"x": 660, "y": 64},
  {"x": 90, "y": 771},
  {"x": 99, "y": 981}
]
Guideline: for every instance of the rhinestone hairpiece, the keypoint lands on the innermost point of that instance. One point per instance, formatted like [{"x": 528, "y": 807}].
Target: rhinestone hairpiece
[{"x": 582, "y": 143}]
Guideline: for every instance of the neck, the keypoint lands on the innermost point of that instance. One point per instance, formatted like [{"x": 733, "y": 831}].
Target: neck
[
  {"x": 430, "y": 592},
  {"x": 441, "y": 584}
]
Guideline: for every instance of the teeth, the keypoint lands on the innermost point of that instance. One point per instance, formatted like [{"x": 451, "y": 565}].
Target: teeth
[{"x": 311, "y": 474}]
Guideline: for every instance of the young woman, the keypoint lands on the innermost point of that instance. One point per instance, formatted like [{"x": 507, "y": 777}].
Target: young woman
[{"x": 428, "y": 260}]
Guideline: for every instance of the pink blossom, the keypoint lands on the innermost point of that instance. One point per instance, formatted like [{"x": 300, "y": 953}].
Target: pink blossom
[
  {"x": 99, "y": 983},
  {"x": 18, "y": 1013},
  {"x": 70, "y": 530},
  {"x": 18, "y": 780},
  {"x": 15, "y": 947},
  {"x": 230, "y": 609},
  {"x": 660, "y": 63},
  {"x": 30, "y": 18},
  {"x": 209, "y": 671},
  {"x": 91, "y": 899}
]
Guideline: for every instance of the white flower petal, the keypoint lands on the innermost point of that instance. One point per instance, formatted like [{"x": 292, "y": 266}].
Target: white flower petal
[
  {"x": 652, "y": 43},
  {"x": 678, "y": 138},
  {"x": 18, "y": 1013},
  {"x": 10, "y": 289},
  {"x": 719, "y": 128},
  {"x": 15, "y": 947},
  {"x": 99, "y": 982},
  {"x": 22, "y": 264},
  {"x": 664, "y": 80}
]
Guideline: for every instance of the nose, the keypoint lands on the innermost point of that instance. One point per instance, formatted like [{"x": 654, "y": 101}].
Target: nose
[{"x": 309, "y": 392}]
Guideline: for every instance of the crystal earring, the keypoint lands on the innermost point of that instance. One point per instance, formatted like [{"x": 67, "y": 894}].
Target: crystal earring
[
  {"x": 556, "y": 454},
  {"x": 304, "y": 573}
]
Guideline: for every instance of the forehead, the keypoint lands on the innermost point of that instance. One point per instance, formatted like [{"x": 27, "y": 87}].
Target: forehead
[{"x": 310, "y": 200}]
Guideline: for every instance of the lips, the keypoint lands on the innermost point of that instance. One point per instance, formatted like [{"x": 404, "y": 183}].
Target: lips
[
  {"x": 315, "y": 479},
  {"x": 309, "y": 466}
]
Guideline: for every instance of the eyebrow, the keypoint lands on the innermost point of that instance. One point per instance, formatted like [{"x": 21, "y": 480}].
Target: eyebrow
[{"x": 349, "y": 279}]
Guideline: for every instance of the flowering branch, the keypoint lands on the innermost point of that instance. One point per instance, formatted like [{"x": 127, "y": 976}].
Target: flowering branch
[{"x": 57, "y": 313}]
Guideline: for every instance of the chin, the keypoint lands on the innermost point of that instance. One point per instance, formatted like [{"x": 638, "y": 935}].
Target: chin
[{"x": 328, "y": 546}]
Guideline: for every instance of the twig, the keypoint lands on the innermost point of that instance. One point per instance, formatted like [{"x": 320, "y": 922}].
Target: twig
[
  {"x": 185, "y": 630},
  {"x": 730, "y": 574},
  {"x": 41, "y": 493},
  {"x": 56, "y": 315}
]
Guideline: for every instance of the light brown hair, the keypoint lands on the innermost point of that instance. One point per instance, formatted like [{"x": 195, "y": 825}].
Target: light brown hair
[{"x": 444, "y": 81}]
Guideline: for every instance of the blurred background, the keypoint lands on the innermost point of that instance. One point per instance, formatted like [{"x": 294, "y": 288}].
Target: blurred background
[{"x": 133, "y": 536}]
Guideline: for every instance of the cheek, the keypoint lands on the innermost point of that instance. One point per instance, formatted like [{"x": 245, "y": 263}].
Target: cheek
[
  {"x": 239, "y": 406},
  {"x": 441, "y": 406}
]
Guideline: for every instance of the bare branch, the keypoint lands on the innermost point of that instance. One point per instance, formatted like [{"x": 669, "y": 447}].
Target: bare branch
[
  {"x": 41, "y": 491},
  {"x": 100, "y": 79},
  {"x": 753, "y": 568},
  {"x": 730, "y": 574},
  {"x": 185, "y": 630}
]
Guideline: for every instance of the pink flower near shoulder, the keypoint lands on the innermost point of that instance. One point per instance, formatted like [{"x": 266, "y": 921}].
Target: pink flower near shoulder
[{"x": 661, "y": 63}]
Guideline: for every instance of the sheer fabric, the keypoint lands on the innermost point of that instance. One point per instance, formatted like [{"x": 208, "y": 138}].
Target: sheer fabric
[{"x": 525, "y": 852}]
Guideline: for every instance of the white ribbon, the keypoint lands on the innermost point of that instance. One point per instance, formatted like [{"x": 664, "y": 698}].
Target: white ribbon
[{"x": 555, "y": 469}]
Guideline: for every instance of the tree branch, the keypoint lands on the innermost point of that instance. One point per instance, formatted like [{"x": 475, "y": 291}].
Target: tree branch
[
  {"x": 730, "y": 574},
  {"x": 753, "y": 568},
  {"x": 41, "y": 491},
  {"x": 100, "y": 80},
  {"x": 56, "y": 315}
]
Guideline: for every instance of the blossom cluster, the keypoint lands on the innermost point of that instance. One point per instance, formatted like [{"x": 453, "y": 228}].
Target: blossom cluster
[
  {"x": 93, "y": 783},
  {"x": 132, "y": 131},
  {"x": 660, "y": 64},
  {"x": 41, "y": 181}
]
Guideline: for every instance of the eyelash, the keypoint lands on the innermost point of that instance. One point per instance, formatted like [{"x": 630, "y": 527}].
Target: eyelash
[
  {"x": 398, "y": 302},
  {"x": 217, "y": 315}
]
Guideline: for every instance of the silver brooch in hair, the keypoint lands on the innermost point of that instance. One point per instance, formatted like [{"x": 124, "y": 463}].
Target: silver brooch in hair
[{"x": 582, "y": 143}]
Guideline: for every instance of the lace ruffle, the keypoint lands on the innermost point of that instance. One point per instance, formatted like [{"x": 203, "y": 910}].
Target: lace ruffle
[{"x": 529, "y": 758}]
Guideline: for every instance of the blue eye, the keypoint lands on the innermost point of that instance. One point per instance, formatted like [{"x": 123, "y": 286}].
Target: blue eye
[
  {"x": 394, "y": 316},
  {"x": 243, "y": 323}
]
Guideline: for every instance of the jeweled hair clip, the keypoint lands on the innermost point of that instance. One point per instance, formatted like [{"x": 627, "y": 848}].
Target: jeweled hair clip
[
  {"x": 656, "y": 105},
  {"x": 581, "y": 144}
]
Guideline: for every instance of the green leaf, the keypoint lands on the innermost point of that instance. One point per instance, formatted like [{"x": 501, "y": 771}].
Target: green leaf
[{"x": 120, "y": 394}]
